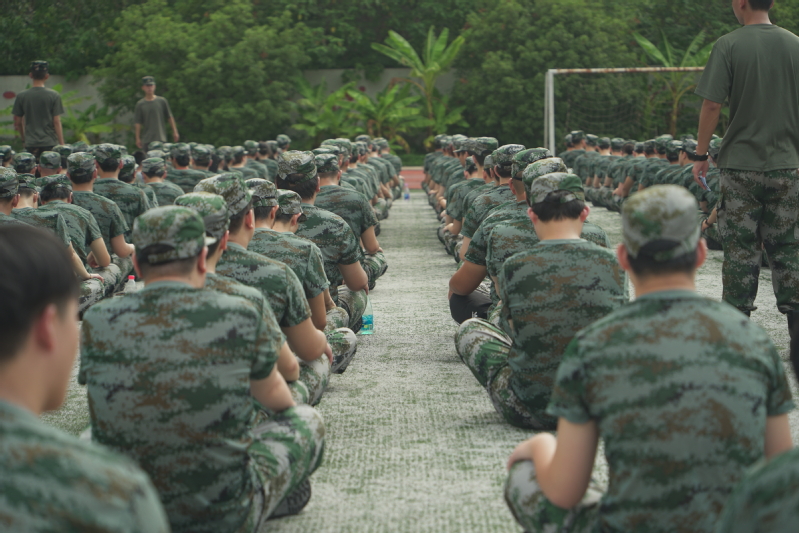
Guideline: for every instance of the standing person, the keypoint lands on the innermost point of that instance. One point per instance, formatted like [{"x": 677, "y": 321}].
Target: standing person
[
  {"x": 756, "y": 68},
  {"x": 37, "y": 113},
  {"x": 150, "y": 114}
]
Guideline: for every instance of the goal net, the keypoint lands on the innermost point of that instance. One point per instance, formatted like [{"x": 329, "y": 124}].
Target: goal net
[{"x": 632, "y": 103}]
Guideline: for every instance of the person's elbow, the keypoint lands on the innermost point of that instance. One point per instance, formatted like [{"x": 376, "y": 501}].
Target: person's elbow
[
  {"x": 319, "y": 321},
  {"x": 711, "y": 106},
  {"x": 459, "y": 286}
]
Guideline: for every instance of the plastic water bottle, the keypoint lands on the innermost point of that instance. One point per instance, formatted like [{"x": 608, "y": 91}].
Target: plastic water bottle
[
  {"x": 130, "y": 285},
  {"x": 406, "y": 192},
  {"x": 368, "y": 327}
]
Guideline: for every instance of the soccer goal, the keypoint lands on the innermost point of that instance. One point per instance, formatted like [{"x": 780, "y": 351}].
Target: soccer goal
[{"x": 622, "y": 106}]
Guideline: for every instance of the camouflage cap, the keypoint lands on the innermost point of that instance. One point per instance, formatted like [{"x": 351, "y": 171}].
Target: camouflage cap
[
  {"x": 714, "y": 148},
  {"x": 503, "y": 156},
  {"x": 6, "y": 153},
  {"x": 9, "y": 183},
  {"x": 50, "y": 160},
  {"x": 639, "y": 148},
  {"x": 167, "y": 148},
  {"x": 128, "y": 166},
  {"x": 155, "y": 145},
  {"x": 617, "y": 143},
  {"x": 238, "y": 151},
  {"x": 326, "y": 163},
  {"x": 345, "y": 145},
  {"x": 212, "y": 208},
  {"x": 64, "y": 150},
  {"x": 359, "y": 147},
  {"x": 273, "y": 146},
  {"x": 79, "y": 146},
  {"x": 224, "y": 153},
  {"x": 56, "y": 181},
  {"x": 567, "y": 140},
  {"x": 541, "y": 188},
  {"x": 673, "y": 148},
  {"x": 201, "y": 155},
  {"x": 441, "y": 140},
  {"x": 251, "y": 147},
  {"x": 459, "y": 142},
  {"x": 153, "y": 165},
  {"x": 525, "y": 157},
  {"x": 107, "y": 154},
  {"x": 27, "y": 181},
  {"x": 470, "y": 165},
  {"x": 488, "y": 163},
  {"x": 689, "y": 146},
  {"x": 649, "y": 146},
  {"x": 540, "y": 168},
  {"x": 229, "y": 186},
  {"x": 660, "y": 222},
  {"x": 380, "y": 142},
  {"x": 364, "y": 138},
  {"x": 662, "y": 142},
  {"x": 122, "y": 149},
  {"x": 80, "y": 165},
  {"x": 327, "y": 149},
  {"x": 148, "y": 80},
  {"x": 604, "y": 143},
  {"x": 290, "y": 203},
  {"x": 264, "y": 192},
  {"x": 283, "y": 140},
  {"x": 577, "y": 136},
  {"x": 591, "y": 140},
  {"x": 299, "y": 165},
  {"x": 24, "y": 162},
  {"x": 40, "y": 66},
  {"x": 156, "y": 153},
  {"x": 687, "y": 137},
  {"x": 180, "y": 150},
  {"x": 178, "y": 230}
]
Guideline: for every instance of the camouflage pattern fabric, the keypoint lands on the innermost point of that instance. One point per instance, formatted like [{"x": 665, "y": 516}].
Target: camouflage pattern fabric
[
  {"x": 107, "y": 214},
  {"x": 130, "y": 199},
  {"x": 44, "y": 219},
  {"x": 457, "y": 193},
  {"x": 165, "y": 192},
  {"x": 333, "y": 236},
  {"x": 354, "y": 303},
  {"x": 507, "y": 212},
  {"x": 648, "y": 375},
  {"x": 375, "y": 265},
  {"x": 766, "y": 500},
  {"x": 276, "y": 281},
  {"x": 482, "y": 206},
  {"x": 54, "y": 482},
  {"x": 759, "y": 207},
  {"x": 228, "y": 464},
  {"x": 186, "y": 178},
  {"x": 298, "y": 253},
  {"x": 258, "y": 168}
]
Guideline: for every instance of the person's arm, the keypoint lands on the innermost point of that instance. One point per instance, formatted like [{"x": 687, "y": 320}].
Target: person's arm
[
  {"x": 120, "y": 247},
  {"x": 369, "y": 240},
  {"x": 778, "y": 435},
  {"x": 137, "y": 131},
  {"x": 272, "y": 392},
  {"x": 710, "y": 220},
  {"x": 99, "y": 253},
  {"x": 307, "y": 342},
  {"x": 563, "y": 465},
  {"x": 174, "y": 129},
  {"x": 465, "y": 246},
  {"x": 467, "y": 278},
  {"x": 329, "y": 303},
  {"x": 287, "y": 364},
  {"x": 354, "y": 277},
  {"x": 58, "y": 131},
  {"x": 19, "y": 125},
  {"x": 708, "y": 120},
  {"x": 318, "y": 311},
  {"x": 80, "y": 270}
]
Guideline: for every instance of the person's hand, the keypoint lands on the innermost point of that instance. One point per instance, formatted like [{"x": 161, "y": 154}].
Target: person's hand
[
  {"x": 329, "y": 353},
  {"x": 379, "y": 249},
  {"x": 90, "y": 259},
  {"x": 94, "y": 276},
  {"x": 700, "y": 170},
  {"x": 139, "y": 144}
]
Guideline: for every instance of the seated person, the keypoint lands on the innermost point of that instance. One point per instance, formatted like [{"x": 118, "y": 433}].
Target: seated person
[
  {"x": 181, "y": 173},
  {"x": 153, "y": 172},
  {"x": 51, "y": 481},
  {"x": 549, "y": 292},
  {"x": 131, "y": 200},
  {"x": 686, "y": 393},
  {"x": 339, "y": 245},
  {"x": 178, "y": 378}
]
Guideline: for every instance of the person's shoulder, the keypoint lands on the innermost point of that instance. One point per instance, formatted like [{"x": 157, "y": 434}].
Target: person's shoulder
[{"x": 229, "y": 286}]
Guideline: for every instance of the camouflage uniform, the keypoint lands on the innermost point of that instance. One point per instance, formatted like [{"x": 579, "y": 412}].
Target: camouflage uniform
[
  {"x": 185, "y": 412},
  {"x": 766, "y": 500},
  {"x": 648, "y": 375},
  {"x": 185, "y": 178},
  {"x": 130, "y": 199},
  {"x": 9, "y": 187},
  {"x": 47, "y": 220},
  {"x": 54, "y": 482}
]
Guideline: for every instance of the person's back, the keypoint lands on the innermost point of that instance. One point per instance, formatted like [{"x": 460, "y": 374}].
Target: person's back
[
  {"x": 130, "y": 199},
  {"x": 109, "y": 217},
  {"x": 301, "y": 255},
  {"x": 82, "y": 228}
]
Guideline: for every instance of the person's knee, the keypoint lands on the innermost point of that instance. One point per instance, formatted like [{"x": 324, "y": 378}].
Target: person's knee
[{"x": 520, "y": 485}]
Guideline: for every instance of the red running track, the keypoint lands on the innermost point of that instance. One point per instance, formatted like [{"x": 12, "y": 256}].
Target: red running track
[{"x": 413, "y": 177}]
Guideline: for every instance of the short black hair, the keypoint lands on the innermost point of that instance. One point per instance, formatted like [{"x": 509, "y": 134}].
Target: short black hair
[
  {"x": 35, "y": 271},
  {"x": 548, "y": 211},
  {"x": 628, "y": 148},
  {"x": 761, "y": 5},
  {"x": 283, "y": 218},
  {"x": 672, "y": 157},
  {"x": 238, "y": 158},
  {"x": 479, "y": 159},
  {"x": 182, "y": 160},
  {"x": 49, "y": 194},
  {"x": 109, "y": 165},
  {"x": 139, "y": 156},
  {"x": 262, "y": 212},
  {"x": 179, "y": 267},
  {"x": 354, "y": 157},
  {"x": 504, "y": 171},
  {"x": 306, "y": 190},
  {"x": 26, "y": 192},
  {"x": 263, "y": 148},
  {"x": 645, "y": 265},
  {"x": 127, "y": 178},
  {"x": 81, "y": 180},
  {"x": 39, "y": 74},
  {"x": 237, "y": 220},
  {"x": 327, "y": 175}
]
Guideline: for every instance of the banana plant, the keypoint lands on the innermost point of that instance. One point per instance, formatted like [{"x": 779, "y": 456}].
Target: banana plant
[
  {"x": 321, "y": 115},
  {"x": 393, "y": 114}
]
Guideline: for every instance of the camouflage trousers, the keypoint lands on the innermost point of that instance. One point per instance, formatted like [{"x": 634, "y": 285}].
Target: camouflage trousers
[
  {"x": 354, "y": 303},
  {"x": 374, "y": 265},
  {"x": 535, "y": 513},
  {"x": 313, "y": 381},
  {"x": 287, "y": 448},
  {"x": 341, "y": 338},
  {"x": 757, "y": 207},
  {"x": 114, "y": 276},
  {"x": 485, "y": 349},
  {"x": 603, "y": 197},
  {"x": 381, "y": 209}
]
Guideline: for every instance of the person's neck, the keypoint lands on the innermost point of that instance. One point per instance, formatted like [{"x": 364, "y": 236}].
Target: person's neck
[
  {"x": 17, "y": 387},
  {"x": 559, "y": 229},
  {"x": 284, "y": 227},
  {"x": 520, "y": 196},
  {"x": 616, "y": 153},
  {"x": 25, "y": 202},
  {"x": 604, "y": 152},
  {"x": 322, "y": 183},
  {"x": 241, "y": 237},
  {"x": 103, "y": 174},
  {"x": 353, "y": 165},
  {"x": 149, "y": 97},
  {"x": 195, "y": 279},
  {"x": 148, "y": 180},
  {"x": 503, "y": 181},
  {"x": 755, "y": 17},
  {"x": 309, "y": 201},
  {"x": 668, "y": 282},
  {"x": 211, "y": 262},
  {"x": 179, "y": 167},
  {"x": 6, "y": 208},
  {"x": 200, "y": 167},
  {"x": 239, "y": 165},
  {"x": 83, "y": 187},
  {"x": 38, "y": 83},
  {"x": 45, "y": 172},
  {"x": 263, "y": 223}
]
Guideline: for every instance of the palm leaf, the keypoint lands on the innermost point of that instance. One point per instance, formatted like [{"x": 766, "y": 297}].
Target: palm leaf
[
  {"x": 448, "y": 56},
  {"x": 650, "y": 49},
  {"x": 688, "y": 57}
]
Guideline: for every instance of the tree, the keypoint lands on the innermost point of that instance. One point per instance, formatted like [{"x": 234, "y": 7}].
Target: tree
[
  {"x": 226, "y": 77},
  {"x": 393, "y": 114},
  {"x": 437, "y": 58},
  {"x": 323, "y": 116},
  {"x": 677, "y": 83}
]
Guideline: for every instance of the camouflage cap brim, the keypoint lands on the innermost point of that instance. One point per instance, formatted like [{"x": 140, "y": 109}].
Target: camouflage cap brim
[{"x": 542, "y": 188}]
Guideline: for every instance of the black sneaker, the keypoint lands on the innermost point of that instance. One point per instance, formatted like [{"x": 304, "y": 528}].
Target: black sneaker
[{"x": 294, "y": 502}]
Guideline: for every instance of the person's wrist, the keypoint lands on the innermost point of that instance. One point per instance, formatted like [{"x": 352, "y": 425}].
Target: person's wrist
[{"x": 697, "y": 157}]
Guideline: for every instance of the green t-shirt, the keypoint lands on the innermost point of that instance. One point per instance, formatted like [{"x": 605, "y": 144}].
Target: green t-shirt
[
  {"x": 55, "y": 482},
  {"x": 551, "y": 292},
  {"x": 152, "y": 115},
  {"x": 767, "y": 500},
  {"x": 165, "y": 192},
  {"x": 457, "y": 193},
  {"x": 680, "y": 387},
  {"x": 298, "y": 253},
  {"x": 168, "y": 373},
  {"x": 107, "y": 214},
  {"x": 39, "y": 106},
  {"x": 44, "y": 219},
  {"x": 349, "y": 205},
  {"x": 185, "y": 178},
  {"x": 483, "y": 205},
  {"x": 81, "y": 226},
  {"x": 333, "y": 236},
  {"x": 130, "y": 199},
  {"x": 757, "y": 68}
]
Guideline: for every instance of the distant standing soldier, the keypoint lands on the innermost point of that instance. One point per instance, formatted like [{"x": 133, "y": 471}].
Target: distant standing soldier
[
  {"x": 150, "y": 114},
  {"x": 37, "y": 113}
]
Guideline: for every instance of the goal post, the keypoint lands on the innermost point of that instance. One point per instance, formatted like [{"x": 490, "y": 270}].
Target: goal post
[{"x": 549, "y": 90}]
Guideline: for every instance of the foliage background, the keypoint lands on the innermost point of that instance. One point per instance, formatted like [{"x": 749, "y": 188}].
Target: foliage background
[{"x": 222, "y": 63}]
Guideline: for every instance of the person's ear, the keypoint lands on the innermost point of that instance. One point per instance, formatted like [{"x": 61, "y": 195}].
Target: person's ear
[
  {"x": 249, "y": 219},
  {"x": 533, "y": 217},
  {"x": 701, "y": 253},
  {"x": 295, "y": 219},
  {"x": 202, "y": 266},
  {"x": 15, "y": 201},
  {"x": 223, "y": 241},
  {"x": 44, "y": 329},
  {"x": 623, "y": 258},
  {"x": 136, "y": 266},
  {"x": 584, "y": 214}
]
